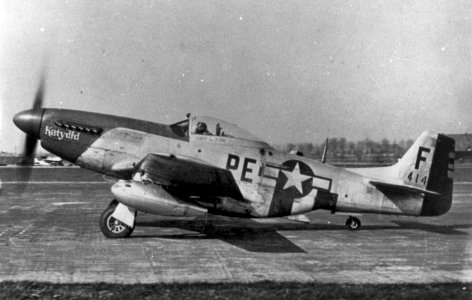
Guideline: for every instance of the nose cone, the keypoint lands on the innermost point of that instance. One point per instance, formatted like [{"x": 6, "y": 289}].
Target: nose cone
[{"x": 29, "y": 121}]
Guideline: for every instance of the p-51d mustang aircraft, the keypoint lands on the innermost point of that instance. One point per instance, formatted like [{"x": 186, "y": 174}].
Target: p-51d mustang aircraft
[{"x": 204, "y": 165}]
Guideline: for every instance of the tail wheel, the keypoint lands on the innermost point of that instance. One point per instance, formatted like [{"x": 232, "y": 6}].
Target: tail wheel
[
  {"x": 353, "y": 223},
  {"x": 112, "y": 227}
]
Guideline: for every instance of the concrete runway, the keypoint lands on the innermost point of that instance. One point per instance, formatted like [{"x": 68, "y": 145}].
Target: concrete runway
[{"x": 50, "y": 233}]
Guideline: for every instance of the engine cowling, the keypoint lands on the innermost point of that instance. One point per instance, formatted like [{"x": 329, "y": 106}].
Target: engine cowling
[{"x": 151, "y": 198}]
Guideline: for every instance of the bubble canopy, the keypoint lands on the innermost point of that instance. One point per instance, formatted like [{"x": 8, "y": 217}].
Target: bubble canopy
[{"x": 202, "y": 125}]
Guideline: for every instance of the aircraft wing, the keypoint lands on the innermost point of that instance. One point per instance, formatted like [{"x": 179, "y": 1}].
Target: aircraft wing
[
  {"x": 189, "y": 176},
  {"x": 401, "y": 187}
]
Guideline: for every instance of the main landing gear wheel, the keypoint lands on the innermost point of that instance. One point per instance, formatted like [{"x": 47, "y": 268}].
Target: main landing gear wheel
[
  {"x": 111, "y": 227},
  {"x": 353, "y": 223}
]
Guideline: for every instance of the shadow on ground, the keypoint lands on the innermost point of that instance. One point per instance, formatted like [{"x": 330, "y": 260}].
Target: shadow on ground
[
  {"x": 243, "y": 233},
  {"x": 441, "y": 229},
  {"x": 263, "y": 236}
]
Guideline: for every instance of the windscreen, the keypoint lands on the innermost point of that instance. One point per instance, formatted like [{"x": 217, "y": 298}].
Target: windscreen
[{"x": 215, "y": 127}]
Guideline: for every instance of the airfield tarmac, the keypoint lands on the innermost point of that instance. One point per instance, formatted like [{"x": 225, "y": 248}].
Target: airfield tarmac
[{"x": 50, "y": 233}]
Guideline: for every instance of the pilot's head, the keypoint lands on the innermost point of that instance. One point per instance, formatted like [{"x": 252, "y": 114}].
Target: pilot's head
[{"x": 201, "y": 127}]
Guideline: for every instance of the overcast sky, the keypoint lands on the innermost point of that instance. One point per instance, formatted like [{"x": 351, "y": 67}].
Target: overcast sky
[{"x": 288, "y": 71}]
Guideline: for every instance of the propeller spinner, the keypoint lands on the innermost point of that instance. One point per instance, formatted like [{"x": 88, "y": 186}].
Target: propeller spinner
[{"x": 29, "y": 121}]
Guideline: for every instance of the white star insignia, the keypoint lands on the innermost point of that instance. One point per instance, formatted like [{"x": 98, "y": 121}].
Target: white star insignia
[{"x": 295, "y": 178}]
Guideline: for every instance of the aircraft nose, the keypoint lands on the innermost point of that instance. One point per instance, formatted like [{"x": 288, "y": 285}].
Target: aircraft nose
[{"x": 29, "y": 121}]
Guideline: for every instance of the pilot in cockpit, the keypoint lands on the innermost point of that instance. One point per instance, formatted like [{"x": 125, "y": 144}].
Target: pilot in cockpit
[{"x": 202, "y": 129}]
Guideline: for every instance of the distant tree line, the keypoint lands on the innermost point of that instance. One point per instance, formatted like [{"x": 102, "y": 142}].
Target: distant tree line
[{"x": 340, "y": 149}]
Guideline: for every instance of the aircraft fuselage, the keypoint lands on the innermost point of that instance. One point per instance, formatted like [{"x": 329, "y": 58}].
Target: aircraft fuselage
[{"x": 271, "y": 183}]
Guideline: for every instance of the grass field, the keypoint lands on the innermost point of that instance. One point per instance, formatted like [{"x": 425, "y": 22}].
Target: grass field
[{"x": 260, "y": 290}]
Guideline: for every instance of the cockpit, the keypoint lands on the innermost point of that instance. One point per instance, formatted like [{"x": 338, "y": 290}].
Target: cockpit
[{"x": 212, "y": 127}]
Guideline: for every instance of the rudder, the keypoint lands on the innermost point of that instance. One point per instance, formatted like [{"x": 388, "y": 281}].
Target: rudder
[
  {"x": 429, "y": 165},
  {"x": 441, "y": 178}
]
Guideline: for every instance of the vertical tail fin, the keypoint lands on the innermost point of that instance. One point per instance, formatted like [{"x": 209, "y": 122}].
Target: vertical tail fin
[{"x": 429, "y": 164}]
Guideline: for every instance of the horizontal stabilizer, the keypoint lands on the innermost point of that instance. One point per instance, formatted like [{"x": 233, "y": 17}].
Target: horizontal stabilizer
[{"x": 402, "y": 187}]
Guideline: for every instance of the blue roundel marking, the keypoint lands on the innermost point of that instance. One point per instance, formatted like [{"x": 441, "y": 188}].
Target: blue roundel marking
[{"x": 295, "y": 180}]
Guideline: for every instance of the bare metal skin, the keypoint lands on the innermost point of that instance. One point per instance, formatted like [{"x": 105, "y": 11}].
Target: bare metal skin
[{"x": 204, "y": 165}]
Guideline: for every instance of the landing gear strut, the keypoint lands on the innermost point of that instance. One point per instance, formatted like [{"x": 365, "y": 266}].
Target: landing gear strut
[
  {"x": 353, "y": 223},
  {"x": 112, "y": 227}
]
